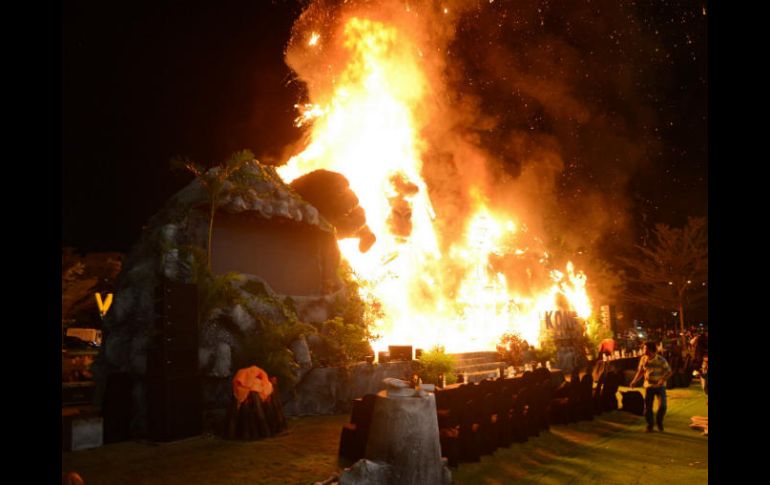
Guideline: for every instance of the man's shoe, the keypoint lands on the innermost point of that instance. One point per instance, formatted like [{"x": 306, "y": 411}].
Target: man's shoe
[
  {"x": 660, "y": 428},
  {"x": 648, "y": 429}
]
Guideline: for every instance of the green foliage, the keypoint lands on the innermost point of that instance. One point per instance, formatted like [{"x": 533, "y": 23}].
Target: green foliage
[
  {"x": 345, "y": 339},
  {"x": 255, "y": 287},
  {"x": 435, "y": 362},
  {"x": 219, "y": 291},
  {"x": 267, "y": 346},
  {"x": 595, "y": 333},
  {"x": 213, "y": 178},
  {"x": 511, "y": 348},
  {"x": 355, "y": 308},
  {"x": 341, "y": 343}
]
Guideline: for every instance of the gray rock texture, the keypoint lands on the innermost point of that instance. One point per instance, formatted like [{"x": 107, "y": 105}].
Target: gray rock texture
[
  {"x": 331, "y": 390},
  {"x": 403, "y": 446},
  {"x": 366, "y": 472},
  {"x": 166, "y": 252}
]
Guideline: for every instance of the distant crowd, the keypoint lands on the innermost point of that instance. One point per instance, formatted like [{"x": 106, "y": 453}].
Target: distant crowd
[{"x": 669, "y": 343}]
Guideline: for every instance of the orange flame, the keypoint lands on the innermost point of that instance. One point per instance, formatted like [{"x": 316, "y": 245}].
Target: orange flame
[{"x": 370, "y": 132}]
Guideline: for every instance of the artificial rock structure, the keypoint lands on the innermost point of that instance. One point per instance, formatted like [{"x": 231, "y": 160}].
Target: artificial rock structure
[{"x": 281, "y": 258}]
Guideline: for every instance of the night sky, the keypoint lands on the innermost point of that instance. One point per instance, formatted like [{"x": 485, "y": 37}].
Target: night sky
[{"x": 144, "y": 83}]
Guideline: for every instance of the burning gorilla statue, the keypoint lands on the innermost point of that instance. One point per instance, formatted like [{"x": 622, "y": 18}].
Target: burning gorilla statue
[
  {"x": 273, "y": 252},
  {"x": 330, "y": 193}
]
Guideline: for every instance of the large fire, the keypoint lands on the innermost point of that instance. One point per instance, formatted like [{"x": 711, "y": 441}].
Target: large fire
[{"x": 433, "y": 289}]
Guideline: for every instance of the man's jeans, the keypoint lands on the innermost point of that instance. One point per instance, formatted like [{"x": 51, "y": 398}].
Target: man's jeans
[{"x": 649, "y": 396}]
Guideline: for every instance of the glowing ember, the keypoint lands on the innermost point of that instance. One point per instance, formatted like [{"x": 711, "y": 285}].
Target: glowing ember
[{"x": 434, "y": 288}]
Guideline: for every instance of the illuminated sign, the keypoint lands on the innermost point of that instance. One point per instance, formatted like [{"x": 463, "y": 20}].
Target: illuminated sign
[{"x": 103, "y": 305}]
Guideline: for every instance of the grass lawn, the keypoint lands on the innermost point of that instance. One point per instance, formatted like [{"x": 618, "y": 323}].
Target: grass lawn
[{"x": 612, "y": 448}]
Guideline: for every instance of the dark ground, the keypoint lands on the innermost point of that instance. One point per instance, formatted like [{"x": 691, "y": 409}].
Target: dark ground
[{"x": 611, "y": 449}]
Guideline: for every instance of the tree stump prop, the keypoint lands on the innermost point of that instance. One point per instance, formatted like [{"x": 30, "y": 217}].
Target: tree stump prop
[{"x": 255, "y": 411}]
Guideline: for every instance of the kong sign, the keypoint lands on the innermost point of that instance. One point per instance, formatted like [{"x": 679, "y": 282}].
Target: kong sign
[
  {"x": 560, "y": 325},
  {"x": 609, "y": 317},
  {"x": 564, "y": 328}
]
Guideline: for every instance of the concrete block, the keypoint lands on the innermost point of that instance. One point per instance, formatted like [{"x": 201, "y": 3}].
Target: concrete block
[{"x": 85, "y": 433}]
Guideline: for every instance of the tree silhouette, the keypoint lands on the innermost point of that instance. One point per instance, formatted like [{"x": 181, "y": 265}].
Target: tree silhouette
[{"x": 670, "y": 271}]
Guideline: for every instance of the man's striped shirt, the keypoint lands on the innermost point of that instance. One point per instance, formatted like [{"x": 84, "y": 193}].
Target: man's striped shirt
[{"x": 654, "y": 369}]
